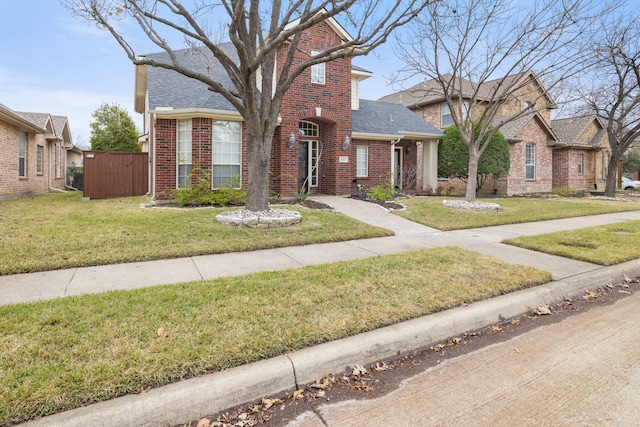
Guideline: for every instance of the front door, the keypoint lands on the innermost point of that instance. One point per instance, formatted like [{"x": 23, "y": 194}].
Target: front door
[{"x": 397, "y": 167}]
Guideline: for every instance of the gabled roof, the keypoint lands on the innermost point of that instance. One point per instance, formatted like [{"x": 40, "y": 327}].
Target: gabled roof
[
  {"x": 390, "y": 121},
  {"x": 430, "y": 91},
  {"x": 10, "y": 116},
  {"x": 570, "y": 129},
  {"x": 512, "y": 128}
]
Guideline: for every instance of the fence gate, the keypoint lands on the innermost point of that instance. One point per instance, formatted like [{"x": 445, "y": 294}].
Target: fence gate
[{"x": 114, "y": 174}]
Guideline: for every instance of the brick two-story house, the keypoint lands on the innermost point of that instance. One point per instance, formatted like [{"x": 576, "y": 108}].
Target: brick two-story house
[
  {"x": 33, "y": 155},
  {"x": 328, "y": 140},
  {"x": 545, "y": 153}
]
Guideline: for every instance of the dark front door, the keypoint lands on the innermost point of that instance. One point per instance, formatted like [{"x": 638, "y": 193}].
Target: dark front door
[{"x": 303, "y": 167}]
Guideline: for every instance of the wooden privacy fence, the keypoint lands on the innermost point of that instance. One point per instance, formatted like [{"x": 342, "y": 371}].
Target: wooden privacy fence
[{"x": 114, "y": 174}]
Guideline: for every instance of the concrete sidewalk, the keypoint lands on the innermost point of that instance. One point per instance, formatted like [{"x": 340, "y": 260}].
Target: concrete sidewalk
[{"x": 191, "y": 399}]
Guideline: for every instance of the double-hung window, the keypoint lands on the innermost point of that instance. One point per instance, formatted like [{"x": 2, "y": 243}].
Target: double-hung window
[
  {"x": 184, "y": 153},
  {"x": 362, "y": 160},
  {"x": 317, "y": 70},
  {"x": 605, "y": 164},
  {"x": 227, "y": 154},
  {"x": 58, "y": 160},
  {"x": 445, "y": 115},
  {"x": 40, "y": 159},
  {"x": 580, "y": 163},
  {"x": 530, "y": 161},
  {"x": 22, "y": 154}
]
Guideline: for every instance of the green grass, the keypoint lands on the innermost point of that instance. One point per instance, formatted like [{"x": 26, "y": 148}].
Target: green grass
[
  {"x": 56, "y": 231},
  {"x": 430, "y": 212},
  {"x": 604, "y": 245},
  {"x": 59, "y": 354}
]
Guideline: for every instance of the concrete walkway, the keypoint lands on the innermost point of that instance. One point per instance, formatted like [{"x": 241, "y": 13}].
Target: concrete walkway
[{"x": 191, "y": 399}]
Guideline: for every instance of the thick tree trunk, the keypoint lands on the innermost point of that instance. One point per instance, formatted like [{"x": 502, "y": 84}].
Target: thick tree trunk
[
  {"x": 472, "y": 181},
  {"x": 612, "y": 174},
  {"x": 258, "y": 159}
]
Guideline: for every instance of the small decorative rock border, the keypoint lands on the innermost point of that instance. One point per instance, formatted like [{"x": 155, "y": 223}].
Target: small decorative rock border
[
  {"x": 478, "y": 206},
  {"x": 271, "y": 218}
]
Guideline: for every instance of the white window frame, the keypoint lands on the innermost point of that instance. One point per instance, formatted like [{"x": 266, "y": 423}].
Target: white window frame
[
  {"x": 22, "y": 154},
  {"x": 362, "y": 161},
  {"x": 58, "y": 160},
  {"x": 605, "y": 164},
  {"x": 530, "y": 162},
  {"x": 580, "y": 163},
  {"x": 184, "y": 153},
  {"x": 313, "y": 163},
  {"x": 318, "y": 71},
  {"x": 40, "y": 159},
  {"x": 227, "y": 152},
  {"x": 446, "y": 118}
]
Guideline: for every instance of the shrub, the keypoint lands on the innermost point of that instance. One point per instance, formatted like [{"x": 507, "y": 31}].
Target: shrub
[
  {"x": 383, "y": 191},
  {"x": 201, "y": 194}
]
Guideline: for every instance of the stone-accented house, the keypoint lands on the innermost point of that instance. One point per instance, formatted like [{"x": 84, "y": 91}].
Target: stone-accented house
[
  {"x": 545, "y": 153},
  {"x": 33, "y": 156},
  {"x": 328, "y": 140},
  {"x": 581, "y": 156}
]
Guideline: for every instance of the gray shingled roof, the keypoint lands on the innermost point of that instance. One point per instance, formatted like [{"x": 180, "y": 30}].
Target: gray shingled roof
[
  {"x": 38, "y": 119},
  {"x": 387, "y": 118},
  {"x": 570, "y": 129},
  {"x": 168, "y": 88},
  {"x": 430, "y": 91},
  {"x": 511, "y": 128}
]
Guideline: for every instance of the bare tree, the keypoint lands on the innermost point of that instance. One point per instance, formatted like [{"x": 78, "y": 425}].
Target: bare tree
[
  {"x": 612, "y": 89},
  {"x": 256, "y": 29},
  {"x": 480, "y": 56}
]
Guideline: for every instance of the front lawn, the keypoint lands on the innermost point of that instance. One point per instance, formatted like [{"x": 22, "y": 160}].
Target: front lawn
[
  {"x": 54, "y": 231},
  {"x": 60, "y": 354},
  {"x": 604, "y": 245},
  {"x": 430, "y": 212}
]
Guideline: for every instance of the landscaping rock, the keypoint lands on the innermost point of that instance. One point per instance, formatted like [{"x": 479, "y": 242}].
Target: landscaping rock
[
  {"x": 478, "y": 206},
  {"x": 271, "y": 218}
]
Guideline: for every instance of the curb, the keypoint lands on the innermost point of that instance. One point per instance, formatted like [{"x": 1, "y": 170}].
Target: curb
[{"x": 198, "y": 397}]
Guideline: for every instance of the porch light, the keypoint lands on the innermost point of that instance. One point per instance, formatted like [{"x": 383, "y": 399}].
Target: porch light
[
  {"x": 292, "y": 139},
  {"x": 346, "y": 142}
]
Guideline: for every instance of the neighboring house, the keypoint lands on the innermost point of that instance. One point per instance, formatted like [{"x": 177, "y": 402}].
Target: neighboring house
[
  {"x": 581, "y": 156},
  {"x": 544, "y": 154},
  {"x": 32, "y": 157},
  {"x": 328, "y": 140}
]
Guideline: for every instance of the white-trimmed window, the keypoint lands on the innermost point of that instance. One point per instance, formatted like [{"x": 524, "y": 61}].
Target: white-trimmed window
[
  {"x": 446, "y": 118},
  {"x": 227, "y": 153},
  {"x": 362, "y": 160},
  {"x": 40, "y": 159},
  {"x": 580, "y": 163},
  {"x": 22, "y": 154},
  {"x": 58, "y": 160},
  {"x": 184, "y": 156},
  {"x": 318, "y": 70},
  {"x": 530, "y": 161},
  {"x": 445, "y": 115},
  {"x": 605, "y": 164}
]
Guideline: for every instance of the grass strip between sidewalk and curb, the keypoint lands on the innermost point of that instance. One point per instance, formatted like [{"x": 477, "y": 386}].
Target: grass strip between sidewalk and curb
[
  {"x": 429, "y": 211},
  {"x": 605, "y": 245},
  {"x": 54, "y": 231},
  {"x": 60, "y": 354}
]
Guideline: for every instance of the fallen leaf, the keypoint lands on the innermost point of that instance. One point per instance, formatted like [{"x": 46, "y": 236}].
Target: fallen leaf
[
  {"x": 515, "y": 322},
  {"x": 268, "y": 403},
  {"x": 161, "y": 331},
  {"x": 625, "y": 292},
  {"x": 542, "y": 310},
  {"x": 497, "y": 328},
  {"x": 298, "y": 394},
  {"x": 627, "y": 279},
  {"x": 204, "y": 422},
  {"x": 381, "y": 367},
  {"x": 456, "y": 340},
  {"x": 358, "y": 370}
]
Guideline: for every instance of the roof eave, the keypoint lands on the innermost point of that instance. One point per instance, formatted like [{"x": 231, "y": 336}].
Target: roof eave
[{"x": 184, "y": 113}]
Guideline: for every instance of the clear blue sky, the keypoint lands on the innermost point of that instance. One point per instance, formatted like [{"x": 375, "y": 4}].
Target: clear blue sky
[{"x": 54, "y": 63}]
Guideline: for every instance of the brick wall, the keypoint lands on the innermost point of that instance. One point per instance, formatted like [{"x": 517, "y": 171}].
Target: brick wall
[
  {"x": 379, "y": 163},
  {"x": 327, "y": 105},
  {"x": 516, "y": 180},
  {"x": 11, "y": 185}
]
